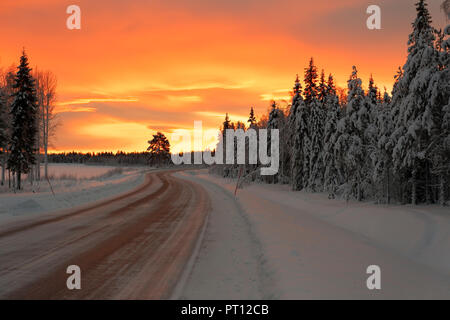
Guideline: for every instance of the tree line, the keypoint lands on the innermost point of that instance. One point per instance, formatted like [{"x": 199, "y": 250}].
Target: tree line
[
  {"x": 157, "y": 154},
  {"x": 367, "y": 144},
  {"x": 27, "y": 121}
]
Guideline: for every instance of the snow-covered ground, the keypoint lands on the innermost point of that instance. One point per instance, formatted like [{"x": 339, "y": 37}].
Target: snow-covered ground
[
  {"x": 272, "y": 242},
  {"x": 73, "y": 185},
  {"x": 76, "y": 171}
]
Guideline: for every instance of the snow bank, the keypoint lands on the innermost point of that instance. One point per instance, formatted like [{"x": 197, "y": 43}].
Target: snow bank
[
  {"x": 421, "y": 233},
  {"x": 320, "y": 248}
]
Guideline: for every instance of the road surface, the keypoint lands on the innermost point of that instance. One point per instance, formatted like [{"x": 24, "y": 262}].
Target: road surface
[{"x": 133, "y": 246}]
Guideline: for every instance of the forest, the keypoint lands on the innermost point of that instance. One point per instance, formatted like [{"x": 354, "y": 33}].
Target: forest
[{"x": 366, "y": 144}]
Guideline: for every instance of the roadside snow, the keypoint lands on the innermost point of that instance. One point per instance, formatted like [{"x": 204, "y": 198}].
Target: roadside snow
[
  {"x": 73, "y": 185},
  {"x": 321, "y": 248},
  {"x": 229, "y": 262}
]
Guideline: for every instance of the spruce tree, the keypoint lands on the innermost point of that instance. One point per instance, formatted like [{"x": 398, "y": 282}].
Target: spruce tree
[
  {"x": 24, "y": 129},
  {"x": 412, "y": 107},
  {"x": 317, "y": 119},
  {"x": 440, "y": 108},
  {"x": 3, "y": 133},
  {"x": 291, "y": 133},
  {"x": 349, "y": 145},
  {"x": 251, "y": 119},
  {"x": 382, "y": 155},
  {"x": 3, "y": 123},
  {"x": 276, "y": 121},
  {"x": 331, "y": 178},
  {"x": 312, "y": 141},
  {"x": 298, "y": 125},
  {"x": 322, "y": 90},
  {"x": 311, "y": 90}
]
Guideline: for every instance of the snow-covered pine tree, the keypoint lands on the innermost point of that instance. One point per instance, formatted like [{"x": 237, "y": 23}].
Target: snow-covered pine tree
[
  {"x": 312, "y": 146},
  {"x": 412, "y": 107},
  {"x": 311, "y": 90},
  {"x": 373, "y": 99},
  {"x": 332, "y": 107},
  {"x": 276, "y": 121},
  {"x": 368, "y": 115},
  {"x": 298, "y": 124},
  {"x": 3, "y": 133},
  {"x": 322, "y": 90},
  {"x": 439, "y": 92},
  {"x": 382, "y": 154},
  {"x": 316, "y": 130},
  {"x": 294, "y": 153},
  {"x": 24, "y": 130},
  {"x": 251, "y": 125},
  {"x": 349, "y": 147}
]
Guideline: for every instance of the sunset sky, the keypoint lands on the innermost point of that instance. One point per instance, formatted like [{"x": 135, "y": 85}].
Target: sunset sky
[{"x": 139, "y": 66}]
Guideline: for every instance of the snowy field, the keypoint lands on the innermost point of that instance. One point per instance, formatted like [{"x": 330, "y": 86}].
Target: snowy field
[
  {"x": 270, "y": 242},
  {"x": 73, "y": 185},
  {"x": 76, "y": 171}
]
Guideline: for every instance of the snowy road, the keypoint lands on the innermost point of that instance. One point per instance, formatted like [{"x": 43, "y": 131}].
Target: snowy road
[
  {"x": 133, "y": 246},
  {"x": 260, "y": 245}
]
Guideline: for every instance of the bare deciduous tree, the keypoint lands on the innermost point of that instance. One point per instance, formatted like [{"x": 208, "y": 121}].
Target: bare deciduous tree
[{"x": 46, "y": 83}]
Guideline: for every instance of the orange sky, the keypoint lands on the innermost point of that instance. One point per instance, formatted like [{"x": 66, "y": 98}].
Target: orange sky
[{"x": 138, "y": 66}]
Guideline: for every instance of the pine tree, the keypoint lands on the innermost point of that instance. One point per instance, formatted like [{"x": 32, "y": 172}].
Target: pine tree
[
  {"x": 298, "y": 126},
  {"x": 24, "y": 130},
  {"x": 322, "y": 90},
  {"x": 382, "y": 155},
  {"x": 312, "y": 140},
  {"x": 372, "y": 92},
  {"x": 3, "y": 124},
  {"x": 440, "y": 107},
  {"x": 311, "y": 90},
  {"x": 3, "y": 133},
  {"x": 276, "y": 121},
  {"x": 411, "y": 106},
  {"x": 368, "y": 120},
  {"x": 317, "y": 119},
  {"x": 349, "y": 145},
  {"x": 331, "y": 178},
  {"x": 227, "y": 123},
  {"x": 291, "y": 131},
  {"x": 251, "y": 119},
  {"x": 159, "y": 148}
]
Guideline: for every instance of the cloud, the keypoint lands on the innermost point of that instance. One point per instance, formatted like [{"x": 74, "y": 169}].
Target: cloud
[
  {"x": 67, "y": 108},
  {"x": 185, "y": 98},
  {"x": 90, "y": 100}
]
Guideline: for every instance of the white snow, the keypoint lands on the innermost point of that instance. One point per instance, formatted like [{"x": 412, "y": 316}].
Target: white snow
[
  {"x": 229, "y": 262},
  {"x": 73, "y": 185},
  {"x": 77, "y": 171},
  {"x": 312, "y": 247}
]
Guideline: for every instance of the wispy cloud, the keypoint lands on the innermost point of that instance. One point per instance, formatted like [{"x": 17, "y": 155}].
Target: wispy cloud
[
  {"x": 185, "y": 98},
  {"x": 90, "y": 100},
  {"x": 281, "y": 94},
  {"x": 68, "y": 108}
]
